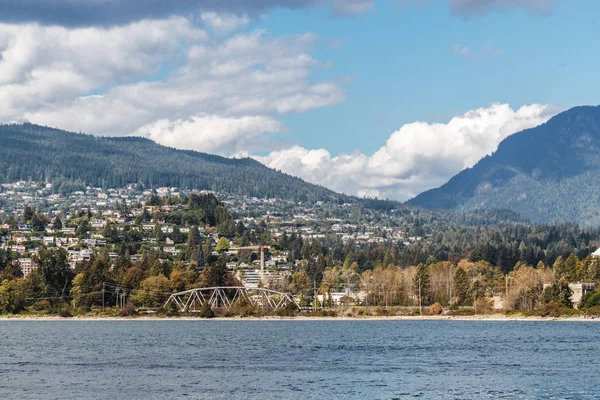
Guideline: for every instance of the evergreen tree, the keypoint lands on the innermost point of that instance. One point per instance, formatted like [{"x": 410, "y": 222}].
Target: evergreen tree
[
  {"x": 39, "y": 222},
  {"x": 570, "y": 268},
  {"x": 57, "y": 224},
  {"x": 28, "y": 214},
  {"x": 421, "y": 284},
  {"x": 461, "y": 287}
]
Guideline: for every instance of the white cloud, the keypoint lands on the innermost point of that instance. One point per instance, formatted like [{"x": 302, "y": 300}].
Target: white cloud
[
  {"x": 417, "y": 157},
  {"x": 51, "y": 66},
  {"x": 162, "y": 77},
  {"x": 213, "y": 134},
  {"x": 224, "y": 24}
]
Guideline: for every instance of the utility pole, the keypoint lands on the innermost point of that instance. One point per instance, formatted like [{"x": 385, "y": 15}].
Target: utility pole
[
  {"x": 420, "y": 302},
  {"x": 262, "y": 262},
  {"x": 451, "y": 280},
  {"x": 314, "y": 295},
  {"x": 102, "y": 296}
]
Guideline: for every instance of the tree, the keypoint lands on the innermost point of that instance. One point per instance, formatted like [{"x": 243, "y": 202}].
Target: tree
[
  {"x": 153, "y": 291},
  {"x": 57, "y": 224},
  {"x": 461, "y": 287},
  {"x": 78, "y": 291},
  {"x": 82, "y": 229},
  {"x": 590, "y": 299},
  {"x": 222, "y": 245},
  {"x": 570, "y": 268},
  {"x": 421, "y": 284},
  {"x": 301, "y": 285},
  {"x": 193, "y": 241},
  {"x": 11, "y": 296},
  {"x": 88, "y": 283},
  {"x": 182, "y": 278},
  {"x": 39, "y": 222},
  {"x": 110, "y": 233},
  {"x": 559, "y": 293},
  {"x": 56, "y": 274},
  {"x": 206, "y": 311},
  {"x": 215, "y": 274},
  {"x": 28, "y": 214},
  {"x": 559, "y": 267},
  {"x": 133, "y": 277}
]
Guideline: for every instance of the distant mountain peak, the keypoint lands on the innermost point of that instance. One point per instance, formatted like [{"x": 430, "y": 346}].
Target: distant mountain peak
[{"x": 547, "y": 174}]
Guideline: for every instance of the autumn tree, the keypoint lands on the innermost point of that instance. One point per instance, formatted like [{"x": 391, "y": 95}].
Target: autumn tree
[
  {"x": 222, "y": 245},
  {"x": 153, "y": 292}
]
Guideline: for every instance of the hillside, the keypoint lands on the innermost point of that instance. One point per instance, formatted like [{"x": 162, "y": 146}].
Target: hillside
[
  {"x": 31, "y": 152},
  {"x": 550, "y": 173}
]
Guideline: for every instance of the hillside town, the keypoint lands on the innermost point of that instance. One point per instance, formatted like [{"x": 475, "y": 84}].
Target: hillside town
[
  {"x": 34, "y": 215},
  {"x": 167, "y": 240}
]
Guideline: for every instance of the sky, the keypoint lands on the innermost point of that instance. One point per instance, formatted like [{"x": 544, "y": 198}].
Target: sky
[{"x": 379, "y": 98}]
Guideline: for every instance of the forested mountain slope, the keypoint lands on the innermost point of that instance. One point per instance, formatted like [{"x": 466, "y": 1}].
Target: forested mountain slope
[
  {"x": 550, "y": 173},
  {"x": 31, "y": 152}
]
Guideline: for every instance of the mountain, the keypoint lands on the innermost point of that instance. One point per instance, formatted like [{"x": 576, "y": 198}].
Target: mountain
[
  {"x": 550, "y": 173},
  {"x": 32, "y": 152}
]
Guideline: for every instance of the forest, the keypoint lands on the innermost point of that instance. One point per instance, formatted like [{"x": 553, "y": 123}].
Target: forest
[
  {"x": 463, "y": 262},
  {"x": 71, "y": 161}
]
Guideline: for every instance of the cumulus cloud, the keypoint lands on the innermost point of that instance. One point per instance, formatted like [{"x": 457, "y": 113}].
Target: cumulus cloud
[
  {"x": 166, "y": 75},
  {"x": 79, "y": 13},
  {"x": 417, "y": 157},
  {"x": 50, "y": 66},
  {"x": 213, "y": 134},
  {"x": 224, "y": 24}
]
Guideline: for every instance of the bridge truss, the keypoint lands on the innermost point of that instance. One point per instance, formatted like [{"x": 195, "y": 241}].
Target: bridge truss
[{"x": 228, "y": 297}]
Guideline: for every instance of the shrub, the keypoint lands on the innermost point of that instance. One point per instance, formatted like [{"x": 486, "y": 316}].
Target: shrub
[
  {"x": 290, "y": 310},
  {"x": 380, "y": 311},
  {"x": 42, "y": 305},
  {"x": 172, "y": 309},
  {"x": 462, "y": 312},
  {"x": 556, "y": 310},
  {"x": 128, "y": 310},
  {"x": 206, "y": 311},
  {"x": 65, "y": 311},
  {"x": 590, "y": 299},
  {"x": 483, "y": 306},
  {"x": 593, "y": 311},
  {"x": 436, "y": 309}
]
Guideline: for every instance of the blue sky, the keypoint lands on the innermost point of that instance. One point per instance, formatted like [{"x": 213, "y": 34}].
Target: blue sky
[
  {"x": 383, "y": 98},
  {"x": 404, "y": 68}
]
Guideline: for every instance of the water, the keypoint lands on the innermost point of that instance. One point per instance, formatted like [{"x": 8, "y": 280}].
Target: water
[{"x": 298, "y": 360}]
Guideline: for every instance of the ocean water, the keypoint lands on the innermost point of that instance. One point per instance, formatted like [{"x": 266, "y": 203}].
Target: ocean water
[{"x": 299, "y": 360}]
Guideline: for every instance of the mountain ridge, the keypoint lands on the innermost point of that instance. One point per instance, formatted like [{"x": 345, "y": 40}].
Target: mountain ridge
[
  {"x": 540, "y": 173},
  {"x": 38, "y": 153}
]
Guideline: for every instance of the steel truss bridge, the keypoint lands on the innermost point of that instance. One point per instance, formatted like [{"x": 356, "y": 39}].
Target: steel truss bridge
[{"x": 230, "y": 296}]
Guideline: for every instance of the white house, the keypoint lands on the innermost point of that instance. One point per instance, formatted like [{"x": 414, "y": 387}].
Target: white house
[{"x": 27, "y": 265}]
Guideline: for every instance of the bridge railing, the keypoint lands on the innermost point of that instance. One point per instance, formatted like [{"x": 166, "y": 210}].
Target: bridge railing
[{"x": 228, "y": 297}]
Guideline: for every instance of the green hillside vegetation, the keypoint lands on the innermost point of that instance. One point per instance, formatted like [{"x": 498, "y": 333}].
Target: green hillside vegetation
[
  {"x": 31, "y": 152},
  {"x": 546, "y": 174}
]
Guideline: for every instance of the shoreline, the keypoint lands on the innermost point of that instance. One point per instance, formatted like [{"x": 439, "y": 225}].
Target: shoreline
[{"x": 484, "y": 318}]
